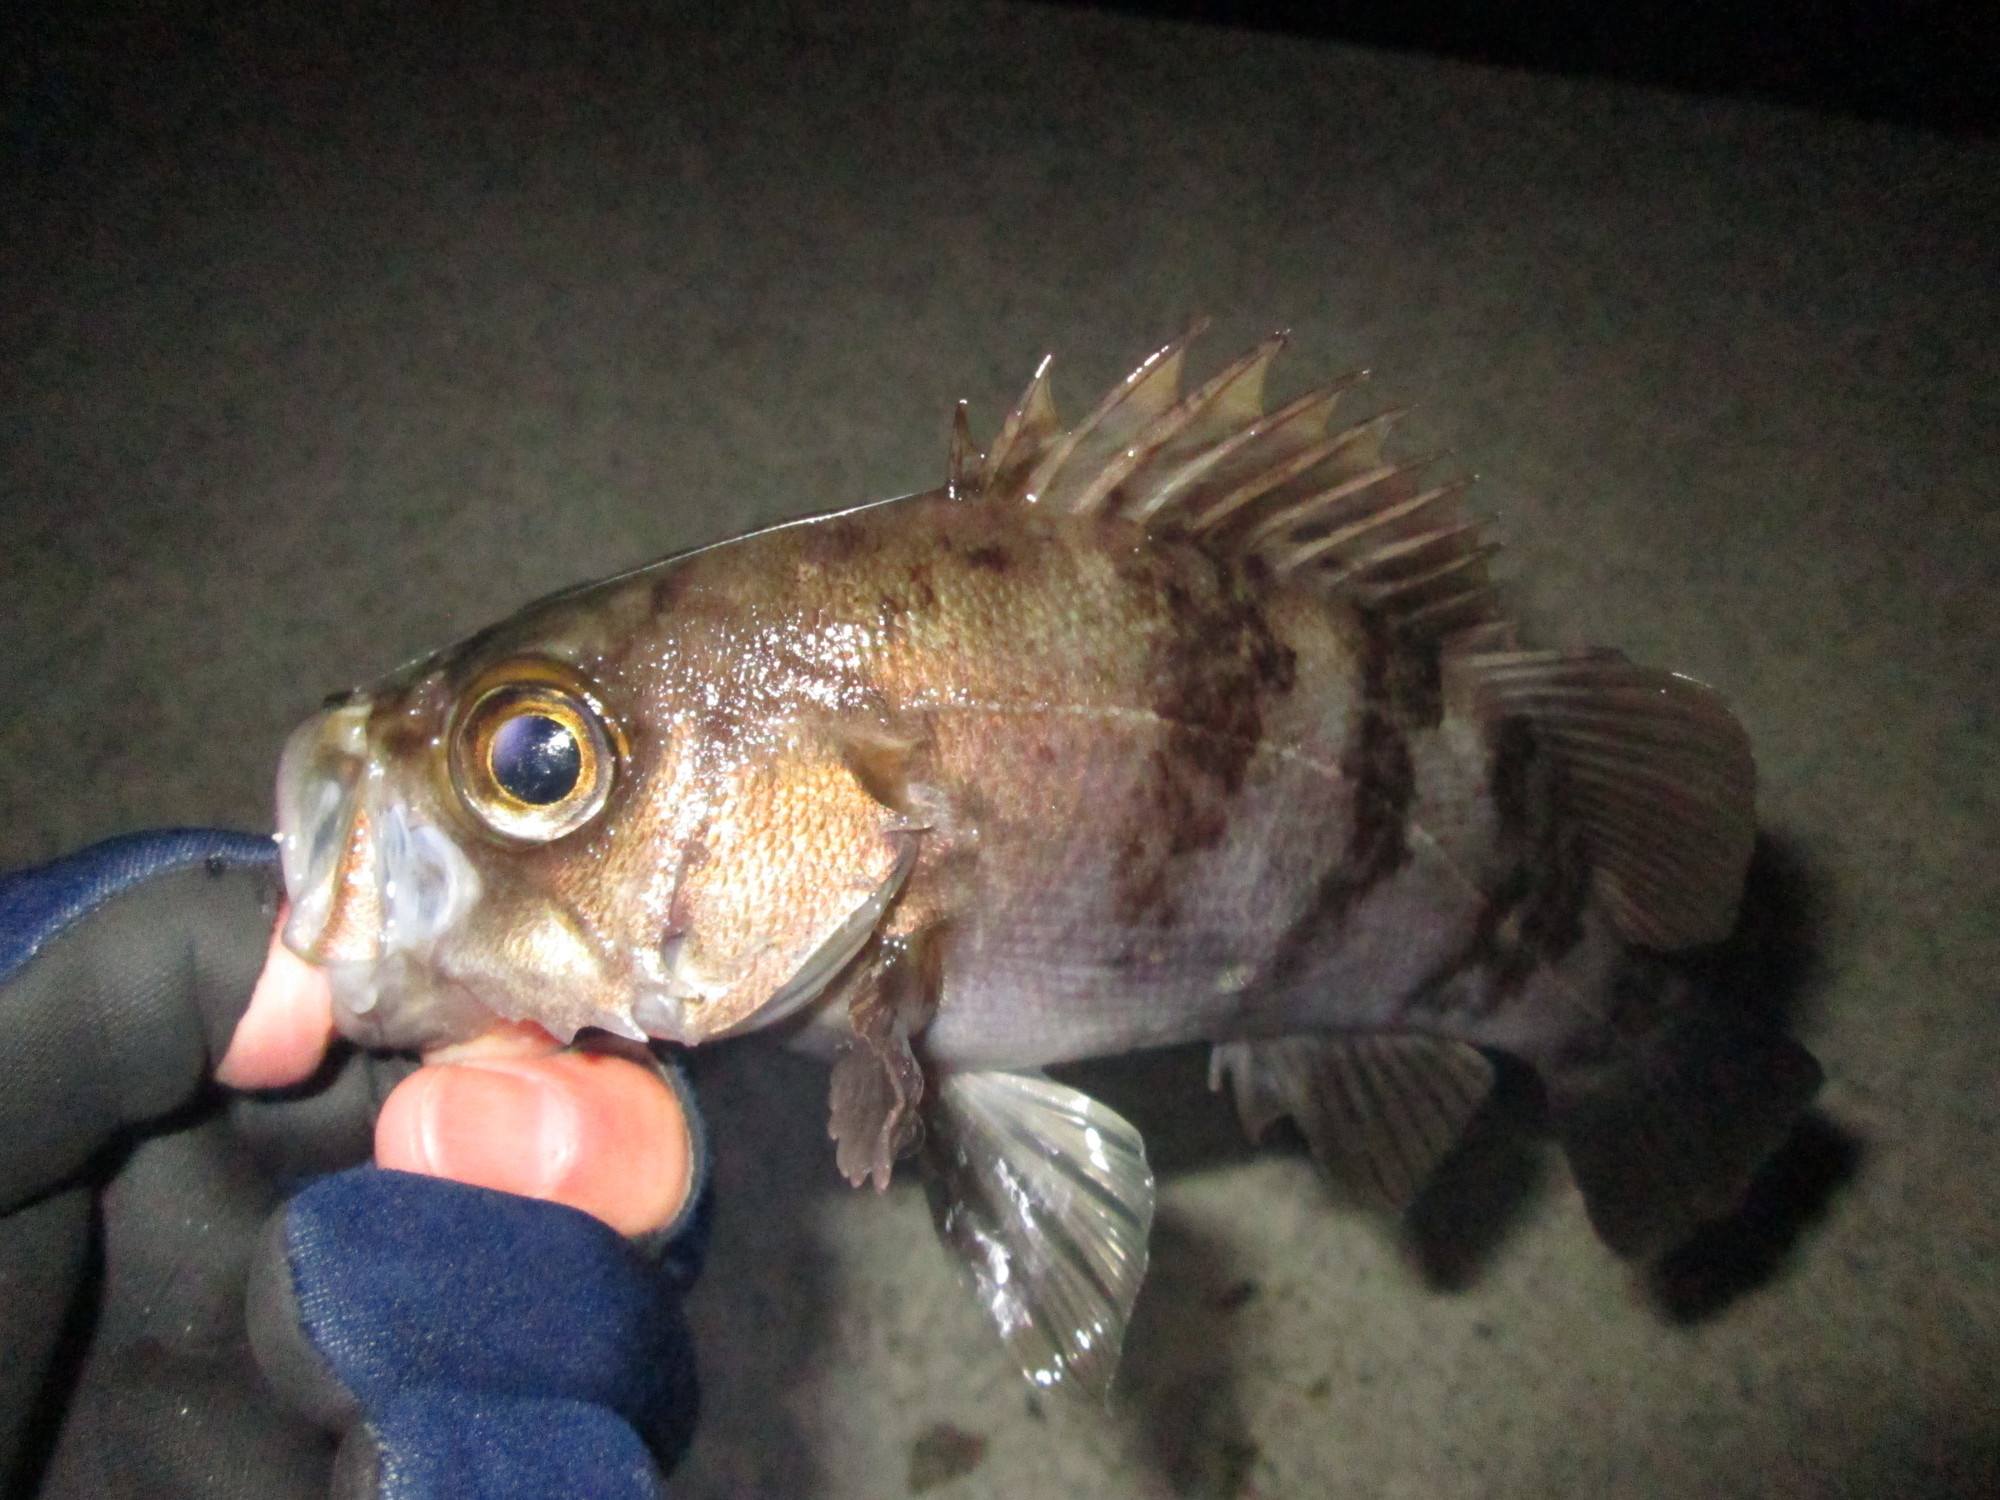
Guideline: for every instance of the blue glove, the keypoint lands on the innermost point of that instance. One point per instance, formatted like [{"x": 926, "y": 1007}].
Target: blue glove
[
  {"x": 474, "y": 1344},
  {"x": 466, "y": 1342}
]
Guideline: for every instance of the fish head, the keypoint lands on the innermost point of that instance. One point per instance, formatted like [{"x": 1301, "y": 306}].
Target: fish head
[{"x": 594, "y": 815}]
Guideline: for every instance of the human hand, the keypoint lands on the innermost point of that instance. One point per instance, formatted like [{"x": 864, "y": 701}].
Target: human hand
[
  {"x": 123, "y": 973},
  {"x": 513, "y": 1110}
]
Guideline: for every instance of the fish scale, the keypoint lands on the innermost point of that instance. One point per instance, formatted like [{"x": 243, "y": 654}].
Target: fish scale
[{"x": 1194, "y": 721}]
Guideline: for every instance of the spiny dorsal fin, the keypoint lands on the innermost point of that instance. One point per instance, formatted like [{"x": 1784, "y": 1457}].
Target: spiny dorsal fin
[
  {"x": 1320, "y": 504},
  {"x": 963, "y": 458},
  {"x": 1191, "y": 424},
  {"x": 1657, "y": 774},
  {"x": 1029, "y": 429},
  {"x": 1250, "y": 449},
  {"x": 1064, "y": 473}
]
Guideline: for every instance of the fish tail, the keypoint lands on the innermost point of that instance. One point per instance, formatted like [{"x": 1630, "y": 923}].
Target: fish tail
[{"x": 1664, "y": 1123}]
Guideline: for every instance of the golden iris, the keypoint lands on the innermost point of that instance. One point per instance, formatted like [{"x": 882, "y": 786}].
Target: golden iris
[{"x": 532, "y": 760}]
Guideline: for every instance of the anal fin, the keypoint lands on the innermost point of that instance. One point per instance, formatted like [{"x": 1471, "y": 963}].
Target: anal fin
[
  {"x": 1378, "y": 1110},
  {"x": 1046, "y": 1197}
]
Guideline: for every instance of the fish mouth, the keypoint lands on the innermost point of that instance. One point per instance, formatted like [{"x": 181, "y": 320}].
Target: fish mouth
[
  {"x": 379, "y": 894},
  {"x": 368, "y": 877}
]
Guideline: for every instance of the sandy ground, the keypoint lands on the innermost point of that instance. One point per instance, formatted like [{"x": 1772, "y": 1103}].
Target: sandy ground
[{"x": 323, "y": 343}]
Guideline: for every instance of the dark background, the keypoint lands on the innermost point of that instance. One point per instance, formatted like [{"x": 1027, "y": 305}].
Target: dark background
[
  {"x": 1929, "y": 63},
  {"x": 1934, "y": 63}
]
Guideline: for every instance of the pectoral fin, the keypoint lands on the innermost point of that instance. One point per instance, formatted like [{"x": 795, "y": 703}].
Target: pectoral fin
[
  {"x": 1379, "y": 1111},
  {"x": 1046, "y": 1196},
  {"x": 872, "y": 1107},
  {"x": 878, "y": 1082}
]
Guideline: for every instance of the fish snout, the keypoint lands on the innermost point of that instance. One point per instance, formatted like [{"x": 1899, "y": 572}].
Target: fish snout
[
  {"x": 323, "y": 840},
  {"x": 366, "y": 875}
]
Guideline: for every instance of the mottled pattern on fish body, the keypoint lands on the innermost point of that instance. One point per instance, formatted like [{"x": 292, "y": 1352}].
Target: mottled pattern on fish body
[
  {"x": 1172, "y": 795},
  {"x": 1195, "y": 720}
]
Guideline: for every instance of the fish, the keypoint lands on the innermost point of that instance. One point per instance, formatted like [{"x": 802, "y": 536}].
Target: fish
[{"x": 1201, "y": 720}]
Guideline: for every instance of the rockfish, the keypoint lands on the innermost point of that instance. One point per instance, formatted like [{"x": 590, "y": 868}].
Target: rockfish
[{"x": 1194, "y": 721}]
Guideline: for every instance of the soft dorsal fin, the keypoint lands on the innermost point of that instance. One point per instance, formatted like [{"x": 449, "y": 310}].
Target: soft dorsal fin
[
  {"x": 1285, "y": 486},
  {"x": 1657, "y": 776}
]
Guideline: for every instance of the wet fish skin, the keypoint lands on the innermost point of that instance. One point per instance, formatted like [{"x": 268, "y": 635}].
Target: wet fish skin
[{"x": 1190, "y": 722}]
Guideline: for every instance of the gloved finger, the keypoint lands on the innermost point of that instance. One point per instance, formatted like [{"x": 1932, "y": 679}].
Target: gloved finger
[
  {"x": 472, "y": 1342},
  {"x": 604, "y": 1133},
  {"x": 123, "y": 970},
  {"x": 286, "y": 1029}
]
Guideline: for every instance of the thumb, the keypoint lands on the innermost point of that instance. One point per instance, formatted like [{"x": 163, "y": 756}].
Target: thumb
[{"x": 596, "y": 1131}]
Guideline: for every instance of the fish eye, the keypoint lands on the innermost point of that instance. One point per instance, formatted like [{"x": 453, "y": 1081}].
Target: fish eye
[
  {"x": 532, "y": 760},
  {"x": 535, "y": 758}
]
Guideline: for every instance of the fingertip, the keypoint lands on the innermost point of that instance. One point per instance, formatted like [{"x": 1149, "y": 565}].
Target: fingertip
[
  {"x": 287, "y": 1026},
  {"x": 599, "y": 1133},
  {"x": 638, "y": 1165}
]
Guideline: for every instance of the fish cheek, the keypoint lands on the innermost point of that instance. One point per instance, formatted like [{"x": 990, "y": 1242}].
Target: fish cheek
[{"x": 795, "y": 851}]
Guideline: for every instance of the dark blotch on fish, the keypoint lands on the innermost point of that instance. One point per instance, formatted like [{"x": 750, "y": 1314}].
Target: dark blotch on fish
[
  {"x": 1216, "y": 663},
  {"x": 834, "y": 541},
  {"x": 1533, "y": 912},
  {"x": 1376, "y": 763}
]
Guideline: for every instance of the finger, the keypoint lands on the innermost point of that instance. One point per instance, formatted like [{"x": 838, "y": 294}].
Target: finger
[
  {"x": 597, "y": 1132},
  {"x": 285, "y": 1032}
]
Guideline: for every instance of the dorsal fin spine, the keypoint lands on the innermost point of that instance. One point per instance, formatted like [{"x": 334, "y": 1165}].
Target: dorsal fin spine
[
  {"x": 963, "y": 460},
  {"x": 1293, "y": 467},
  {"x": 1162, "y": 366},
  {"x": 1398, "y": 551},
  {"x": 1376, "y": 520},
  {"x": 1377, "y": 595},
  {"x": 1154, "y": 437},
  {"x": 1257, "y": 428},
  {"x": 1320, "y": 504},
  {"x": 1437, "y": 617},
  {"x": 1030, "y": 422}
]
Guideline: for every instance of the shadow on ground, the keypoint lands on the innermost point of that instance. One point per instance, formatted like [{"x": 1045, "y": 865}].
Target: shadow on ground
[
  {"x": 1179, "y": 1382},
  {"x": 1768, "y": 971}
]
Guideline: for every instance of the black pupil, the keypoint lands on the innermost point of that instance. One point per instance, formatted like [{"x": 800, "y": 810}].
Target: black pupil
[{"x": 536, "y": 759}]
